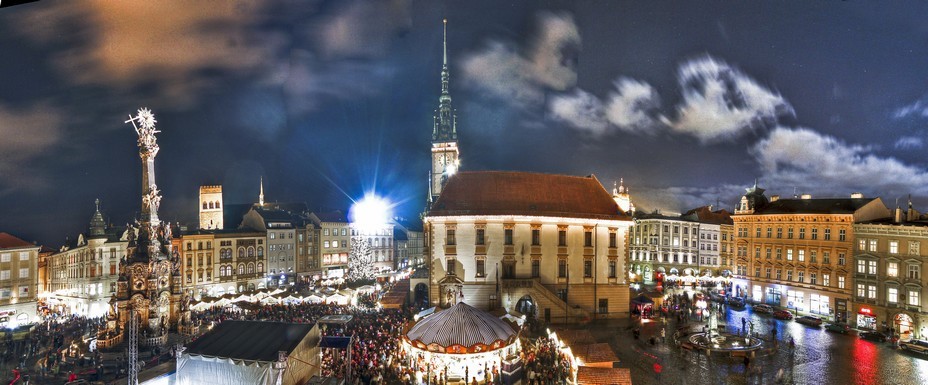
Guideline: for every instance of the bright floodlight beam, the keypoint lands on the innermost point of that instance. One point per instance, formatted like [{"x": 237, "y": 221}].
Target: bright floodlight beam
[{"x": 371, "y": 212}]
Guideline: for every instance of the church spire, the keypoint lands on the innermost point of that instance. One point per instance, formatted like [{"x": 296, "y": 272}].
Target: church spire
[
  {"x": 445, "y": 124},
  {"x": 261, "y": 194},
  {"x": 97, "y": 224}
]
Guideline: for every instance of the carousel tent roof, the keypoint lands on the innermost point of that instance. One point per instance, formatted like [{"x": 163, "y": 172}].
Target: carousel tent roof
[{"x": 462, "y": 325}]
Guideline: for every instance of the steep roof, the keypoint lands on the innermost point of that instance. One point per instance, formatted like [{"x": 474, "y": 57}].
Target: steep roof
[
  {"x": 250, "y": 340},
  {"x": 329, "y": 216},
  {"x": 705, "y": 214},
  {"x": 8, "y": 241},
  {"x": 524, "y": 193},
  {"x": 814, "y": 206}
]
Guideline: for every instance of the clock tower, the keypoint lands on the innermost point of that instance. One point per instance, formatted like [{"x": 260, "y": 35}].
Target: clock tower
[{"x": 445, "y": 155}]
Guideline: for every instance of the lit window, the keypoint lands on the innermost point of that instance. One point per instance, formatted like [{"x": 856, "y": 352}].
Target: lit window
[
  {"x": 840, "y": 281},
  {"x": 892, "y": 269},
  {"x": 894, "y": 247},
  {"x": 892, "y": 295}
]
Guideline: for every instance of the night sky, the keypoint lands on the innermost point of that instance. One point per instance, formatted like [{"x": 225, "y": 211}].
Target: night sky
[{"x": 688, "y": 101}]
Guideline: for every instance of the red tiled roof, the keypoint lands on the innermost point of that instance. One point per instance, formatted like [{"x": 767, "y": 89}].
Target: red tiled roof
[
  {"x": 603, "y": 376},
  {"x": 594, "y": 353},
  {"x": 8, "y": 241},
  {"x": 524, "y": 193}
]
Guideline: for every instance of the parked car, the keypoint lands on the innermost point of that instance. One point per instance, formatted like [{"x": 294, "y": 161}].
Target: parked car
[
  {"x": 838, "y": 327},
  {"x": 763, "y": 308},
  {"x": 809, "y": 320},
  {"x": 736, "y": 302},
  {"x": 915, "y": 346},
  {"x": 873, "y": 336},
  {"x": 783, "y": 315}
]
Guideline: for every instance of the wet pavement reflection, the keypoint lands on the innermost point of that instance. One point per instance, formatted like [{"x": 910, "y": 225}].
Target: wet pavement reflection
[{"x": 819, "y": 356}]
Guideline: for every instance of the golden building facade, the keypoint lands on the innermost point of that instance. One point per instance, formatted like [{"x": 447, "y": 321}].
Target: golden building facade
[{"x": 797, "y": 253}]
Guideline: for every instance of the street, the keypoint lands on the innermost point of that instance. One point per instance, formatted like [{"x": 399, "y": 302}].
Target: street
[{"x": 819, "y": 357}]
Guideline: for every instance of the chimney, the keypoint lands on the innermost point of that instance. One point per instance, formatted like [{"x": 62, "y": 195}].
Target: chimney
[
  {"x": 857, "y": 195},
  {"x": 774, "y": 198},
  {"x": 806, "y": 196},
  {"x": 897, "y": 215}
]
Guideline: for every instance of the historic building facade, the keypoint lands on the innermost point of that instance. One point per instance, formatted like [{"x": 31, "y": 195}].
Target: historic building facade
[
  {"x": 797, "y": 253},
  {"x": 889, "y": 281},
  {"x": 18, "y": 277},
  {"x": 334, "y": 239},
  {"x": 211, "y": 215},
  {"x": 380, "y": 238},
  {"x": 83, "y": 273},
  {"x": 664, "y": 249},
  {"x": 217, "y": 262},
  {"x": 551, "y": 246}
]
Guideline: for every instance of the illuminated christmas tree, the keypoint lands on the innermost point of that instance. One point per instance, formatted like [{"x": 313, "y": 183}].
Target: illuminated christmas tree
[{"x": 360, "y": 260}]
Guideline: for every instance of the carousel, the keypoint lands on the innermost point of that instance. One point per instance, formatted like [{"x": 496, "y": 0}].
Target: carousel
[{"x": 459, "y": 344}]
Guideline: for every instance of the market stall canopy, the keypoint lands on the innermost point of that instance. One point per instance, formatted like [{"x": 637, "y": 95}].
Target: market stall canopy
[
  {"x": 642, "y": 300},
  {"x": 461, "y": 329}
]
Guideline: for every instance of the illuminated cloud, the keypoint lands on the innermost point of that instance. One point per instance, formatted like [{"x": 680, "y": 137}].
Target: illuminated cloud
[
  {"x": 909, "y": 143},
  {"x": 27, "y": 134},
  {"x": 720, "y": 102},
  {"x": 503, "y": 72},
  {"x": 803, "y": 158},
  {"x": 916, "y": 108},
  {"x": 581, "y": 110},
  {"x": 632, "y": 106}
]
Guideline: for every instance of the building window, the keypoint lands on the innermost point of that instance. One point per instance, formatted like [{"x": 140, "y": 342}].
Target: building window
[
  {"x": 892, "y": 269},
  {"x": 812, "y": 256},
  {"x": 450, "y": 265},
  {"x": 789, "y": 233},
  {"x": 24, "y": 272},
  {"x": 769, "y": 232},
  {"x": 768, "y": 253},
  {"x": 24, "y": 255},
  {"x": 814, "y": 233},
  {"x": 861, "y": 266},
  {"x": 612, "y": 240},
  {"x": 842, "y": 235},
  {"x": 480, "y": 236},
  {"x": 481, "y": 268},
  {"x": 779, "y": 274},
  {"x": 873, "y": 245},
  {"x": 802, "y": 233},
  {"x": 871, "y": 267},
  {"x": 789, "y": 275},
  {"x": 779, "y": 232},
  {"x": 562, "y": 268},
  {"x": 768, "y": 273},
  {"x": 536, "y": 268},
  {"x": 840, "y": 281},
  {"x": 913, "y": 298},
  {"x": 802, "y": 255},
  {"x": 757, "y": 233},
  {"x": 892, "y": 295},
  {"x": 862, "y": 244},
  {"x": 603, "y": 305},
  {"x": 914, "y": 247},
  {"x": 894, "y": 247},
  {"x": 325, "y": 232},
  {"x": 826, "y": 280},
  {"x": 826, "y": 257},
  {"x": 450, "y": 239},
  {"x": 913, "y": 272},
  {"x": 562, "y": 237},
  {"x": 827, "y": 234},
  {"x": 588, "y": 239},
  {"x": 861, "y": 290},
  {"x": 841, "y": 259},
  {"x": 536, "y": 237},
  {"x": 507, "y": 236},
  {"x": 612, "y": 269},
  {"x": 757, "y": 272},
  {"x": 587, "y": 269},
  {"x": 871, "y": 291},
  {"x": 779, "y": 254},
  {"x": 789, "y": 254},
  {"x": 813, "y": 279},
  {"x": 801, "y": 277}
]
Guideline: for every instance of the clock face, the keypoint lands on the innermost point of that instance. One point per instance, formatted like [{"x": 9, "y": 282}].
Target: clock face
[
  {"x": 139, "y": 284},
  {"x": 163, "y": 283}
]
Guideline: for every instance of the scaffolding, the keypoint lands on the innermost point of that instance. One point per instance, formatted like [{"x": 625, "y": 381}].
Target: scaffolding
[{"x": 133, "y": 360}]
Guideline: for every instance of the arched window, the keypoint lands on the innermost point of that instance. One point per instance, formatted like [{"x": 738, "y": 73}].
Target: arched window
[
  {"x": 241, "y": 268},
  {"x": 260, "y": 251},
  {"x": 217, "y": 204},
  {"x": 251, "y": 251},
  {"x": 204, "y": 206},
  {"x": 251, "y": 268},
  {"x": 260, "y": 267},
  {"x": 225, "y": 253},
  {"x": 241, "y": 252},
  {"x": 211, "y": 205}
]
